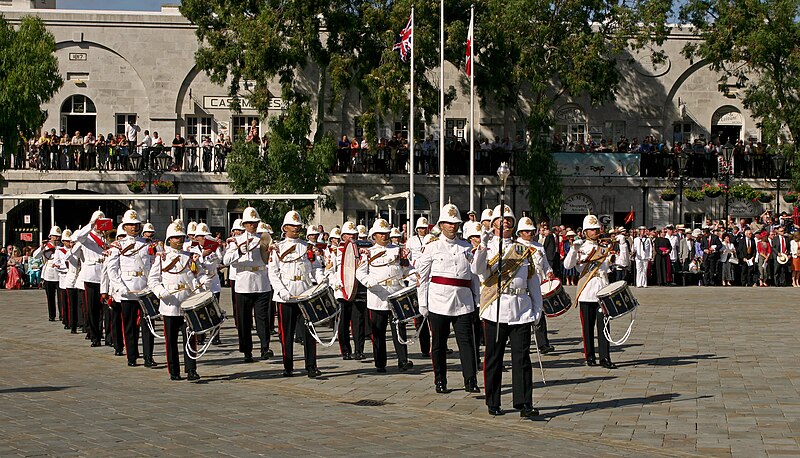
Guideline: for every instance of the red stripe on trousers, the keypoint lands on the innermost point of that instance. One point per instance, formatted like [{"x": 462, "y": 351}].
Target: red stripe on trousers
[{"x": 583, "y": 334}]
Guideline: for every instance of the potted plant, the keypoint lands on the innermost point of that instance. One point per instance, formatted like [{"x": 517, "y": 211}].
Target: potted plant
[
  {"x": 164, "y": 186},
  {"x": 714, "y": 190},
  {"x": 790, "y": 197},
  {"x": 668, "y": 194},
  {"x": 744, "y": 191},
  {"x": 136, "y": 186},
  {"x": 694, "y": 195},
  {"x": 765, "y": 198}
]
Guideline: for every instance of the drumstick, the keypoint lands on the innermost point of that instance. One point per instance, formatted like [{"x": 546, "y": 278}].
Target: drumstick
[{"x": 539, "y": 355}]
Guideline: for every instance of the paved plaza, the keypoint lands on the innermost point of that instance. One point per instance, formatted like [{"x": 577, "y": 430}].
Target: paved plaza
[{"x": 707, "y": 371}]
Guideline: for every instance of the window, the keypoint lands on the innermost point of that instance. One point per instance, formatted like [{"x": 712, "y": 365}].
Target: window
[
  {"x": 571, "y": 125},
  {"x": 358, "y": 129},
  {"x": 122, "y": 118},
  {"x": 198, "y": 126},
  {"x": 401, "y": 127},
  {"x": 681, "y": 132},
  {"x": 78, "y": 104},
  {"x": 241, "y": 125},
  {"x": 365, "y": 217},
  {"x": 454, "y": 128},
  {"x": 198, "y": 215},
  {"x": 613, "y": 130}
]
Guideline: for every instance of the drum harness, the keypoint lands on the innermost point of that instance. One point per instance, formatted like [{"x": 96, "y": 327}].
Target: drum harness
[
  {"x": 388, "y": 282},
  {"x": 592, "y": 266}
]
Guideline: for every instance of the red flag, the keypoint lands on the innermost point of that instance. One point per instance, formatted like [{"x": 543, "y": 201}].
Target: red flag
[
  {"x": 469, "y": 49},
  {"x": 629, "y": 217},
  {"x": 404, "y": 44}
]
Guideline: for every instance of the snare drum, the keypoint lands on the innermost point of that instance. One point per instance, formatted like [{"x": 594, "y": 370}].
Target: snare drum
[
  {"x": 617, "y": 300},
  {"x": 202, "y": 312},
  {"x": 404, "y": 304},
  {"x": 149, "y": 303},
  {"x": 318, "y": 305},
  {"x": 555, "y": 299}
]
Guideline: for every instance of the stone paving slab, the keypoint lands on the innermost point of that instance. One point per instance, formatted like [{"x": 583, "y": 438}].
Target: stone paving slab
[{"x": 707, "y": 371}]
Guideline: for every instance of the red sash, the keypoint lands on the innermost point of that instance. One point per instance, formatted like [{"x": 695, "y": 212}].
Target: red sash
[
  {"x": 98, "y": 240},
  {"x": 451, "y": 281}
]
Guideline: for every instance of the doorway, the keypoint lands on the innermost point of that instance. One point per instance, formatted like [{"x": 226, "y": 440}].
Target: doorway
[
  {"x": 726, "y": 134},
  {"x": 78, "y": 114}
]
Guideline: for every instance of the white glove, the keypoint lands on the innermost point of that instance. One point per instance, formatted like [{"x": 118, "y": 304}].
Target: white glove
[
  {"x": 423, "y": 311},
  {"x": 485, "y": 237},
  {"x": 577, "y": 243},
  {"x": 283, "y": 295}
]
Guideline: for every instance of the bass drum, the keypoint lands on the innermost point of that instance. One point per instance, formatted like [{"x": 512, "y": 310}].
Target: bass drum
[{"x": 348, "y": 270}]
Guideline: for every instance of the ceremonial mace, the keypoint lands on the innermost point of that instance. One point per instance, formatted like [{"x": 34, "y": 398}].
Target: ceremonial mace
[{"x": 503, "y": 172}]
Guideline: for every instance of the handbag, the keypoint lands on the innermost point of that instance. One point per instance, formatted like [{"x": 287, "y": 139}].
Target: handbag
[{"x": 734, "y": 260}]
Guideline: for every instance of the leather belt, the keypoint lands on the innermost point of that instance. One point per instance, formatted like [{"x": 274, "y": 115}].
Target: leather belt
[
  {"x": 176, "y": 287},
  {"x": 134, "y": 273},
  {"x": 451, "y": 281},
  {"x": 515, "y": 291},
  {"x": 255, "y": 268}
]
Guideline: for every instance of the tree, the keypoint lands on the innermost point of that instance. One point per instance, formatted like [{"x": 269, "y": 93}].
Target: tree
[
  {"x": 28, "y": 78},
  {"x": 532, "y": 55},
  {"x": 754, "y": 45}
]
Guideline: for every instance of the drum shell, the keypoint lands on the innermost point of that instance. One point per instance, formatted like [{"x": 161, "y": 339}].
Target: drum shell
[
  {"x": 203, "y": 317},
  {"x": 149, "y": 303},
  {"x": 617, "y": 301},
  {"x": 404, "y": 304},
  {"x": 319, "y": 307},
  {"x": 556, "y": 302}
]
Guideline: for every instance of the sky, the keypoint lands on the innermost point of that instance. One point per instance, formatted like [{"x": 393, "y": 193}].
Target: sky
[{"x": 118, "y": 5}]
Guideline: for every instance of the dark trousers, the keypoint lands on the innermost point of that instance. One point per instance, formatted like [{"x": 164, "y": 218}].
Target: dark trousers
[
  {"x": 519, "y": 336},
  {"x": 148, "y": 340},
  {"x": 780, "y": 272},
  {"x": 130, "y": 328},
  {"x": 72, "y": 307},
  {"x": 345, "y": 320},
  {"x": 424, "y": 337},
  {"x": 172, "y": 326},
  {"x": 749, "y": 273},
  {"x": 115, "y": 329},
  {"x": 109, "y": 322},
  {"x": 91, "y": 296},
  {"x": 61, "y": 300},
  {"x": 359, "y": 320},
  {"x": 50, "y": 289},
  {"x": 83, "y": 318},
  {"x": 287, "y": 326},
  {"x": 261, "y": 307},
  {"x": 661, "y": 269},
  {"x": 591, "y": 318},
  {"x": 540, "y": 330},
  {"x": 710, "y": 269},
  {"x": 244, "y": 325},
  {"x": 465, "y": 338},
  {"x": 233, "y": 302},
  {"x": 379, "y": 320}
]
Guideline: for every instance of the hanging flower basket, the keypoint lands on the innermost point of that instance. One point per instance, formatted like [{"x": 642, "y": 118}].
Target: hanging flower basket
[
  {"x": 765, "y": 198},
  {"x": 790, "y": 197},
  {"x": 668, "y": 195},
  {"x": 694, "y": 195},
  {"x": 744, "y": 191},
  {"x": 136, "y": 186},
  {"x": 714, "y": 190},
  {"x": 164, "y": 186}
]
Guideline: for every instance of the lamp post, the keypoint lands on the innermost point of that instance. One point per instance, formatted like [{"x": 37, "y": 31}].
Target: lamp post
[
  {"x": 779, "y": 162},
  {"x": 502, "y": 172},
  {"x": 153, "y": 169},
  {"x": 727, "y": 154},
  {"x": 683, "y": 159}
]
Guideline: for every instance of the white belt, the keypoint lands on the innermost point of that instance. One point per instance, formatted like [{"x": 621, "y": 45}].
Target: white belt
[
  {"x": 515, "y": 291},
  {"x": 175, "y": 287},
  {"x": 134, "y": 273},
  {"x": 98, "y": 261},
  {"x": 252, "y": 269}
]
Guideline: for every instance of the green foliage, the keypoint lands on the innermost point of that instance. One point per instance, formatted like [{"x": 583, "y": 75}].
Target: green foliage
[
  {"x": 744, "y": 191},
  {"x": 539, "y": 170},
  {"x": 754, "y": 45},
  {"x": 694, "y": 195},
  {"x": 28, "y": 78}
]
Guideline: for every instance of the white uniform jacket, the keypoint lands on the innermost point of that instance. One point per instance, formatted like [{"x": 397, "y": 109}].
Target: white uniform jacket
[
  {"x": 128, "y": 267},
  {"x": 577, "y": 257},
  {"x": 381, "y": 273},
  {"x": 521, "y": 301},
  {"x": 333, "y": 272},
  {"x": 415, "y": 247},
  {"x": 623, "y": 258},
  {"x": 172, "y": 280},
  {"x": 291, "y": 271},
  {"x": 49, "y": 270},
  {"x": 643, "y": 248},
  {"x": 539, "y": 259},
  {"x": 93, "y": 246},
  {"x": 209, "y": 265},
  {"x": 75, "y": 259},
  {"x": 251, "y": 271},
  {"x": 445, "y": 283}
]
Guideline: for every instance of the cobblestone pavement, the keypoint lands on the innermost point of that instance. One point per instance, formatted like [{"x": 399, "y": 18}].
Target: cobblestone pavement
[{"x": 707, "y": 371}]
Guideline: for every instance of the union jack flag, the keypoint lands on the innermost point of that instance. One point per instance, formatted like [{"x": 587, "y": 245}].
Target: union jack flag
[{"x": 404, "y": 43}]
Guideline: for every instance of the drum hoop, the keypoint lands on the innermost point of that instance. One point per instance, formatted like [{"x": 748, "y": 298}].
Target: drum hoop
[
  {"x": 402, "y": 292},
  {"x": 601, "y": 293}
]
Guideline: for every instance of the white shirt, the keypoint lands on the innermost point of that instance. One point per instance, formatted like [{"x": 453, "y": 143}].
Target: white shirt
[
  {"x": 448, "y": 258},
  {"x": 518, "y": 308},
  {"x": 415, "y": 246},
  {"x": 175, "y": 285},
  {"x": 291, "y": 272},
  {"x": 381, "y": 273},
  {"x": 251, "y": 269},
  {"x": 577, "y": 257},
  {"x": 643, "y": 248},
  {"x": 128, "y": 267},
  {"x": 623, "y": 258},
  {"x": 209, "y": 265},
  {"x": 49, "y": 271},
  {"x": 93, "y": 247},
  {"x": 673, "y": 240}
]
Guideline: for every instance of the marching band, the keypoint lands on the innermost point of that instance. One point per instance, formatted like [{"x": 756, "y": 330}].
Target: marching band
[{"x": 358, "y": 283}]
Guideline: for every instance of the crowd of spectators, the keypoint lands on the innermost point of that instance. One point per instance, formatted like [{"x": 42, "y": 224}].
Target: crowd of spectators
[{"x": 18, "y": 269}]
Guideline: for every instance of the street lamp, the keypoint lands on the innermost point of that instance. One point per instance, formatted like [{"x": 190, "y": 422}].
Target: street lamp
[
  {"x": 683, "y": 160},
  {"x": 779, "y": 162},
  {"x": 727, "y": 154},
  {"x": 162, "y": 161},
  {"x": 502, "y": 172}
]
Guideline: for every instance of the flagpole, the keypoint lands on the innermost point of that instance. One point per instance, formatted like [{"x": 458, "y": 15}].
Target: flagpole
[
  {"x": 441, "y": 103},
  {"x": 411, "y": 170},
  {"x": 471, "y": 40}
]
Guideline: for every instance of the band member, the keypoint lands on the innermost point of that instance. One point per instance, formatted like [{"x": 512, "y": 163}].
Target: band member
[
  {"x": 486, "y": 220},
  {"x": 382, "y": 270},
  {"x": 333, "y": 265},
  {"x": 252, "y": 284},
  {"x": 445, "y": 298},
  {"x": 61, "y": 264},
  {"x": 520, "y": 305},
  {"x": 92, "y": 246},
  {"x": 396, "y": 237},
  {"x": 112, "y": 310},
  {"x": 209, "y": 260},
  {"x": 415, "y": 245},
  {"x": 128, "y": 266},
  {"x": 171, "y": 279},
  {"x": 358, "y": 315},
  {"x": 525, "y": 236},
  {"x": 236, "y": 230},
  {"x": 191, "y": 229},
  {"x": 293, "y": 269},
  {"x": 593, "y": 262},
  {"x": 473, "y": 231},
  {"x": 73, "y": 284},
  {"x": 49, "y": 273}
]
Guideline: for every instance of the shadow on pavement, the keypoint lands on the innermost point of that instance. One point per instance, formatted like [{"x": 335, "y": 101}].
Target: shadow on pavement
[
  {"x": 670, "y": 360},
  {"x": 611, "y": 403},
  {"x": 34, "y": 389}
]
